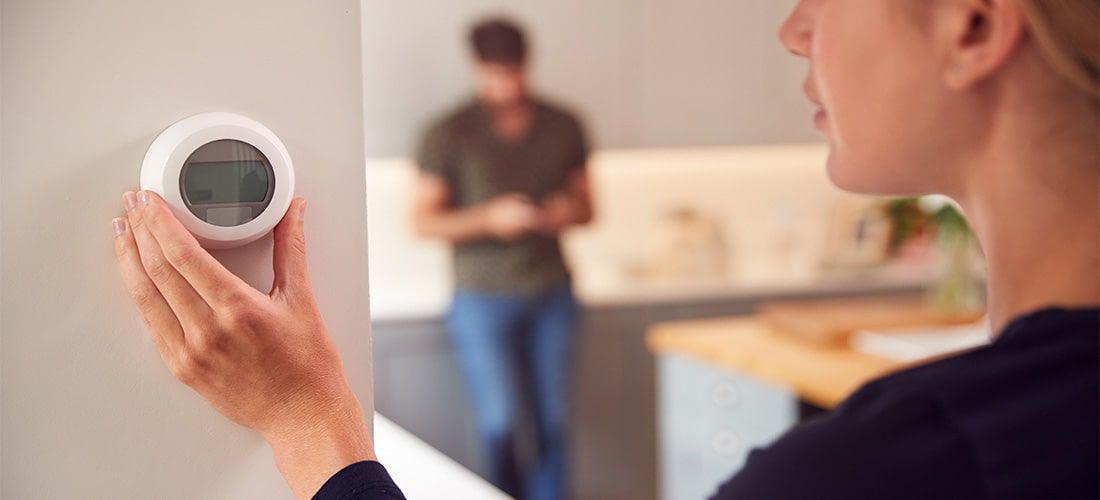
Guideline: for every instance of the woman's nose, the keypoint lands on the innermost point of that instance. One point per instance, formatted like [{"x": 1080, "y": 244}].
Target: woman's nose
[{"x": 797, "y": 31}]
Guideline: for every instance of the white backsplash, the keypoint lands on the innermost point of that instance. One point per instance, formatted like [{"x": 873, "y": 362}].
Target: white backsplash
[{"x": 772, "y": 203}]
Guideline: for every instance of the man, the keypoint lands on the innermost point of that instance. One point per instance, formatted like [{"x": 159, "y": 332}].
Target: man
[{"x": 501, "y": 178}]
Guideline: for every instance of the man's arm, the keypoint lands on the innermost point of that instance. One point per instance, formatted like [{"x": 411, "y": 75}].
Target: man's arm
[
  {"x": 569, "y": 207},
  {"x": 506, "y": 217}
]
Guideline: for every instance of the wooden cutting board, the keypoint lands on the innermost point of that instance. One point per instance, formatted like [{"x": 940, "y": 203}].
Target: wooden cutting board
[{"x": 832, "y": 322}]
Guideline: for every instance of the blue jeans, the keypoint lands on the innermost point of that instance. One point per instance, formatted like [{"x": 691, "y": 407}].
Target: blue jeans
[{"x": 515, "y": 350}]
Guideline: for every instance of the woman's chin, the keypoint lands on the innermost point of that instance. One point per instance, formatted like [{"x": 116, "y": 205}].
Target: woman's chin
[
  {"x": 842, "y": 174},
  {"x": 858, "y": 177}
]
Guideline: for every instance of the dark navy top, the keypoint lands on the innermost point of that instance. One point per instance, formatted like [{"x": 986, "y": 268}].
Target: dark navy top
[
  {"x": 1017, "y": 419},
  {"x": 360, "y": 481}
]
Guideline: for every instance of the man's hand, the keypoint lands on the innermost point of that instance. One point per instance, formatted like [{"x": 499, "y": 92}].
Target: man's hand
[
  {"x": 264, "y": 361},
  {"x": 507, "y": 217},
  {"x": 511, "y": 216}
]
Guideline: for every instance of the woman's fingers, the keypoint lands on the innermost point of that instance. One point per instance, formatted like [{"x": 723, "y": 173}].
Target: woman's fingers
[
  {"x": 291, "y": 273},
  {"x": 203, "y": 274},
  {"x": 158, "y": 316},
  {"x": 191, "y": 310}
]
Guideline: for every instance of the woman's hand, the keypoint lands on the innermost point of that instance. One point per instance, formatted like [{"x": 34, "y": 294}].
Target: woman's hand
[{"x": 264, "y": 361}]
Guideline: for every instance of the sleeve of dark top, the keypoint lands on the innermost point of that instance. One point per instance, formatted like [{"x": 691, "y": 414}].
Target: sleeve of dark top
[
  {"x": 366, "y": 480},
  {"x": 897, "y": 446}
]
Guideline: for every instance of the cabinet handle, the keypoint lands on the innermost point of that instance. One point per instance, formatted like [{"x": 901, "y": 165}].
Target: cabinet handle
[
  {"x": 726, "y": 443},
  {"x": 725, "y": 395}
]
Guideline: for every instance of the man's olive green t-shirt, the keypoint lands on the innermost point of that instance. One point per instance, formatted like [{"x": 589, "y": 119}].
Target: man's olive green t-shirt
[{"x": 465, "y": 151}]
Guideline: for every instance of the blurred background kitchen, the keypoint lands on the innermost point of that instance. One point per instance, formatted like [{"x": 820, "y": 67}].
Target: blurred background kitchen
[{"x": 729, "y": 291}]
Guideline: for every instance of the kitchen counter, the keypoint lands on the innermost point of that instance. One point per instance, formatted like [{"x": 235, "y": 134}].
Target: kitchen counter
[
  {"x": 823, "y": 376},
  {"x": 766, "y": 285},
  {"x": 422, "y": 472},
  {"x": 597, "y": 291}
]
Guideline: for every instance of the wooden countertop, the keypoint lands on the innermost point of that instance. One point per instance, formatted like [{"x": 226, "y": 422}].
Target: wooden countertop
[{"x": 823, "y": 376}]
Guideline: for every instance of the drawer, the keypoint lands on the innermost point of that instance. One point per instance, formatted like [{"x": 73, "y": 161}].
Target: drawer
[{"x": 709, "y": 420}]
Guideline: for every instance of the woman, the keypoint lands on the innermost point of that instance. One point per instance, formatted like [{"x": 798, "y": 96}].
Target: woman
[{"x": 994, "y": 102}]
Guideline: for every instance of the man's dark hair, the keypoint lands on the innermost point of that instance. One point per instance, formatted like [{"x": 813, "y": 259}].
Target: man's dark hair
[{"x": 498, "y": 40}]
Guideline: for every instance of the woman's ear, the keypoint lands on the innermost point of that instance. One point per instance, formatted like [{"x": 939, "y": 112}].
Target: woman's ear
[{"x": 983, "y": 36}]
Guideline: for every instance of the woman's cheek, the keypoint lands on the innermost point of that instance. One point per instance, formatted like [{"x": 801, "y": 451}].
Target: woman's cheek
[
  {"x": 860, "y": 159},
  {"x": 858, "y": 122},
  {"x": 839, "y": 125}
]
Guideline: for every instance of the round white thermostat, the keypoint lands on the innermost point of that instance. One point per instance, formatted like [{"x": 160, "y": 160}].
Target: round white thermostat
[{"x": 228, "y": 178}]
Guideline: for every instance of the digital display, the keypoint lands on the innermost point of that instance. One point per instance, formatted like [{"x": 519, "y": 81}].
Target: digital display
[{"x": 208, "y": 183}]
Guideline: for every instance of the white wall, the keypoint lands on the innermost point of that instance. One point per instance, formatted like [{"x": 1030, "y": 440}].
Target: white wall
[
  {"x": 88, "y": 410},
  {"x": 645, "y": 73},
  {"x": 1, "y": 246}
]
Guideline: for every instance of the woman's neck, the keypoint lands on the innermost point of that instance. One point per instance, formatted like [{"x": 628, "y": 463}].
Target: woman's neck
[{"x": 1034, "y": 202}]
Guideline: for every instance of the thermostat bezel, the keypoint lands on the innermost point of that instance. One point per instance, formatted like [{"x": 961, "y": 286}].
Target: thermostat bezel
[{"x": 164, "y": 161}]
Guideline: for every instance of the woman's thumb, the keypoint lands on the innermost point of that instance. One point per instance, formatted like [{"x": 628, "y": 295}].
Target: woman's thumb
[{"x": 291, "y": 274}]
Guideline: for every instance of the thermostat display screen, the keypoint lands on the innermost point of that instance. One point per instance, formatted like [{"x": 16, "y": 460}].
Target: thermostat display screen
[
  {"x": 208, "y": 183},
  {"x": 227, "y": 182}
]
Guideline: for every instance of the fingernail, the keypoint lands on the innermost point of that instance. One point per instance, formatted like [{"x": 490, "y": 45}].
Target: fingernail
[
  {"x": 302, "y": 210},
  {"x": 130, "y": 200},
  {"x": 143, "y": 198},
  {"x": 119, "y": 225}
]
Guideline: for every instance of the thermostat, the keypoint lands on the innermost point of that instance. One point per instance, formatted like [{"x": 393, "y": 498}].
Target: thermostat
[{"x": 228, "y": 178}]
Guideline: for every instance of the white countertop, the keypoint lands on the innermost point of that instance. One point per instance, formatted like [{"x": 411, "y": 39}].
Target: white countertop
[
  {"x": 433, "y": 303},
  {"x": 422, "y": 472},
  {"x": 747, "y": 288}
]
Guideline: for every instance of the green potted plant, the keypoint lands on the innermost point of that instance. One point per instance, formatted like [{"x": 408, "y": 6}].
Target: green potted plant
[{"x": 960, "y": 285}]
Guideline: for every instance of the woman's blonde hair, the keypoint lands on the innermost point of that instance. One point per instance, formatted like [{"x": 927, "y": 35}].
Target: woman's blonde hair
[{"x": 1068, "y": 33}]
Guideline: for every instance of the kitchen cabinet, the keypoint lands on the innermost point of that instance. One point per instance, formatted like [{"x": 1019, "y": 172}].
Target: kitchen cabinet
[
  {"x": 709, "y": 420},
  {"x": 614, "y": 414},
  {"x": 729, "y": 385}
]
